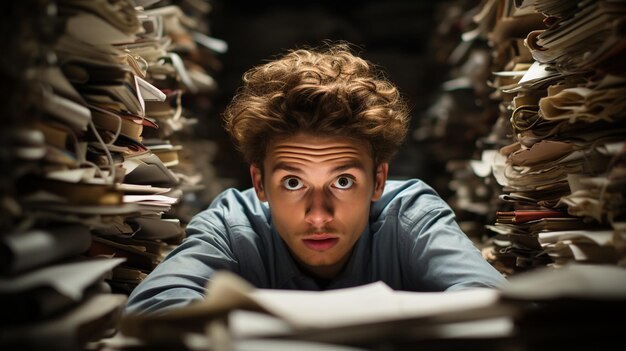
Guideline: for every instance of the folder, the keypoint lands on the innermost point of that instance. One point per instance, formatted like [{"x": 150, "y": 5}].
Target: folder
[
  {"x": 148, "y": 169},
  {"x": 118, "y": 97},
  {"x": 34, "y": 248},
  {"x": 156, "y": 228},
  {"x": 67, "y": 111},
  {"x": 69, "y": 48},
  {"x": 167, "y": 153},
  {"x": 127, "y": 124},
  {"x": 55, "y": 133},
  {"x": 93, "y": 30},
  {"x": 522, "y": 216},
  {"x": 79, "y": 193},
  {"x": 69, "y": 279},
  {"x": 122, "y": 15},
  {"x": 133, "y": 256}
]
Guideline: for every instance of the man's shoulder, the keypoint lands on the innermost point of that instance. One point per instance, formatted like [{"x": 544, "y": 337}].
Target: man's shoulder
[
  {"x": 232, "y": 196},
  {"x": 236, "y": 207},
  {"x": 407, "y": 190},
  {"x": 411, "y": 198}
]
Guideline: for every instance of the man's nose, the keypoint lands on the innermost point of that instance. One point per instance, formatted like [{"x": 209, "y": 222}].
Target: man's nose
[{"x": 319, "y": 208}]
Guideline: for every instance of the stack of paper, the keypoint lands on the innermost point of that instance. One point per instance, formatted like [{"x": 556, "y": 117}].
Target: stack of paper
[
  {"x": 51, "y": 295},
  {"x": 579, "y": 38},
  {"x": 565, "y": 142},
  {"x": 93, "y": 168},
  {"x": 450, "y": 129},
  {"x": 363, "y": 316},
  {"x": 554, "y": 91},
  {"x": 571, "y": 135},
  {"x": 60, "y": 305},
  {"x": 557, "y": 306},
  {"x": 489, "y": 58}
]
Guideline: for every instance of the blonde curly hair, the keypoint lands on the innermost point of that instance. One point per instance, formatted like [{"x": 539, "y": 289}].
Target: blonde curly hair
[{"x": 325, "y": 91}]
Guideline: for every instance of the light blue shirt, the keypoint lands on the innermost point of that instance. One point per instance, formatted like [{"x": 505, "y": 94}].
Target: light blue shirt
[{"x": 412, "y": 243}]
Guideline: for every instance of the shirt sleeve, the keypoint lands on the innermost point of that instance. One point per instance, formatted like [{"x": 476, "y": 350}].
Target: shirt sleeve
[
  {"x": 439, "y": 254},
  {"x": 182, "y": 276}
]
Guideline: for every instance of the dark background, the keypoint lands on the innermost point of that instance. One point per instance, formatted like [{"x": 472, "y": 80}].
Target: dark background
[{"x": 396, "y": 35}]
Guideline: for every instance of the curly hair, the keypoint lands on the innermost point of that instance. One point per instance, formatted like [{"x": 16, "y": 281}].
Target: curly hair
[{"x": 325, "y": 91}]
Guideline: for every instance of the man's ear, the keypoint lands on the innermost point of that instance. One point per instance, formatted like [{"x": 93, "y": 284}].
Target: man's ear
[
  {"x": 257, "y": 181},
  {"x": 379, "y": 180}
]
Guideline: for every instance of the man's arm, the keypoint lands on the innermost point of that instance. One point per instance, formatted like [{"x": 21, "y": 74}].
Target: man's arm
[
  {"x": 435, "y": 252},
  {"x": 183, "y": 275},
  {"x": 446, "y": 258}
]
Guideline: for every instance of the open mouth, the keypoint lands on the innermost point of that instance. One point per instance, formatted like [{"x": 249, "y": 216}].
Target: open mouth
[{"x": 321, "y": 244}]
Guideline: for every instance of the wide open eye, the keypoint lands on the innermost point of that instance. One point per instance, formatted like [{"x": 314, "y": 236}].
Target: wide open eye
[
  {"x": 292, "y": 183},
  {"x": 343, "y": 183}
]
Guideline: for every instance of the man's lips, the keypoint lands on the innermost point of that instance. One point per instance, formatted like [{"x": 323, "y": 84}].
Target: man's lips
[{"x": 320, "y": 242}]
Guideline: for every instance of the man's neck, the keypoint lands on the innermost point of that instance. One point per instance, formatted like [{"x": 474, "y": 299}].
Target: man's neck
[{"x": 324, "y": 273}]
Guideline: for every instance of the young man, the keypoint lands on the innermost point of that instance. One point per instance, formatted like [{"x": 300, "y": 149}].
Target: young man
[{"x": 318, "y": 128}]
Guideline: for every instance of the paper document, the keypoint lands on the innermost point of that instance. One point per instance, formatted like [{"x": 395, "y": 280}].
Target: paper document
[
  {"x": 369, "y": 303},
  {"x": 311, "y": 310}
]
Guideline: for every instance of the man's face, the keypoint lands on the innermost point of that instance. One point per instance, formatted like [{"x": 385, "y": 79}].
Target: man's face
[{"x": 319, "y": 191}]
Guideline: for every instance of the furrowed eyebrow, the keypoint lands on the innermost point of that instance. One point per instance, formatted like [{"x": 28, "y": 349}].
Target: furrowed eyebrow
[
  {"x": 355, "y": 164},
  {"x": 285, "y": 167},
  {"x": 289, "y": 168}
]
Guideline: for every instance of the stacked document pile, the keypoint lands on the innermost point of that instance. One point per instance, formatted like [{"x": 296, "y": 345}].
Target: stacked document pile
[
  {"x": 89, "y": 204},
  {"x": 470, "y": 114},
  {"x": 459, "y": 118},
  {"x": 544, "y": 309},
  {"x": 556, "y": 149}
]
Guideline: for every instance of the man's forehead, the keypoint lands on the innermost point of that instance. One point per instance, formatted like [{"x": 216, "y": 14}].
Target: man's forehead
[
  {"x": 286, "y": 150},
  {"x": 308, "y": 145},
  {"x": 305, "y": 149}
]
